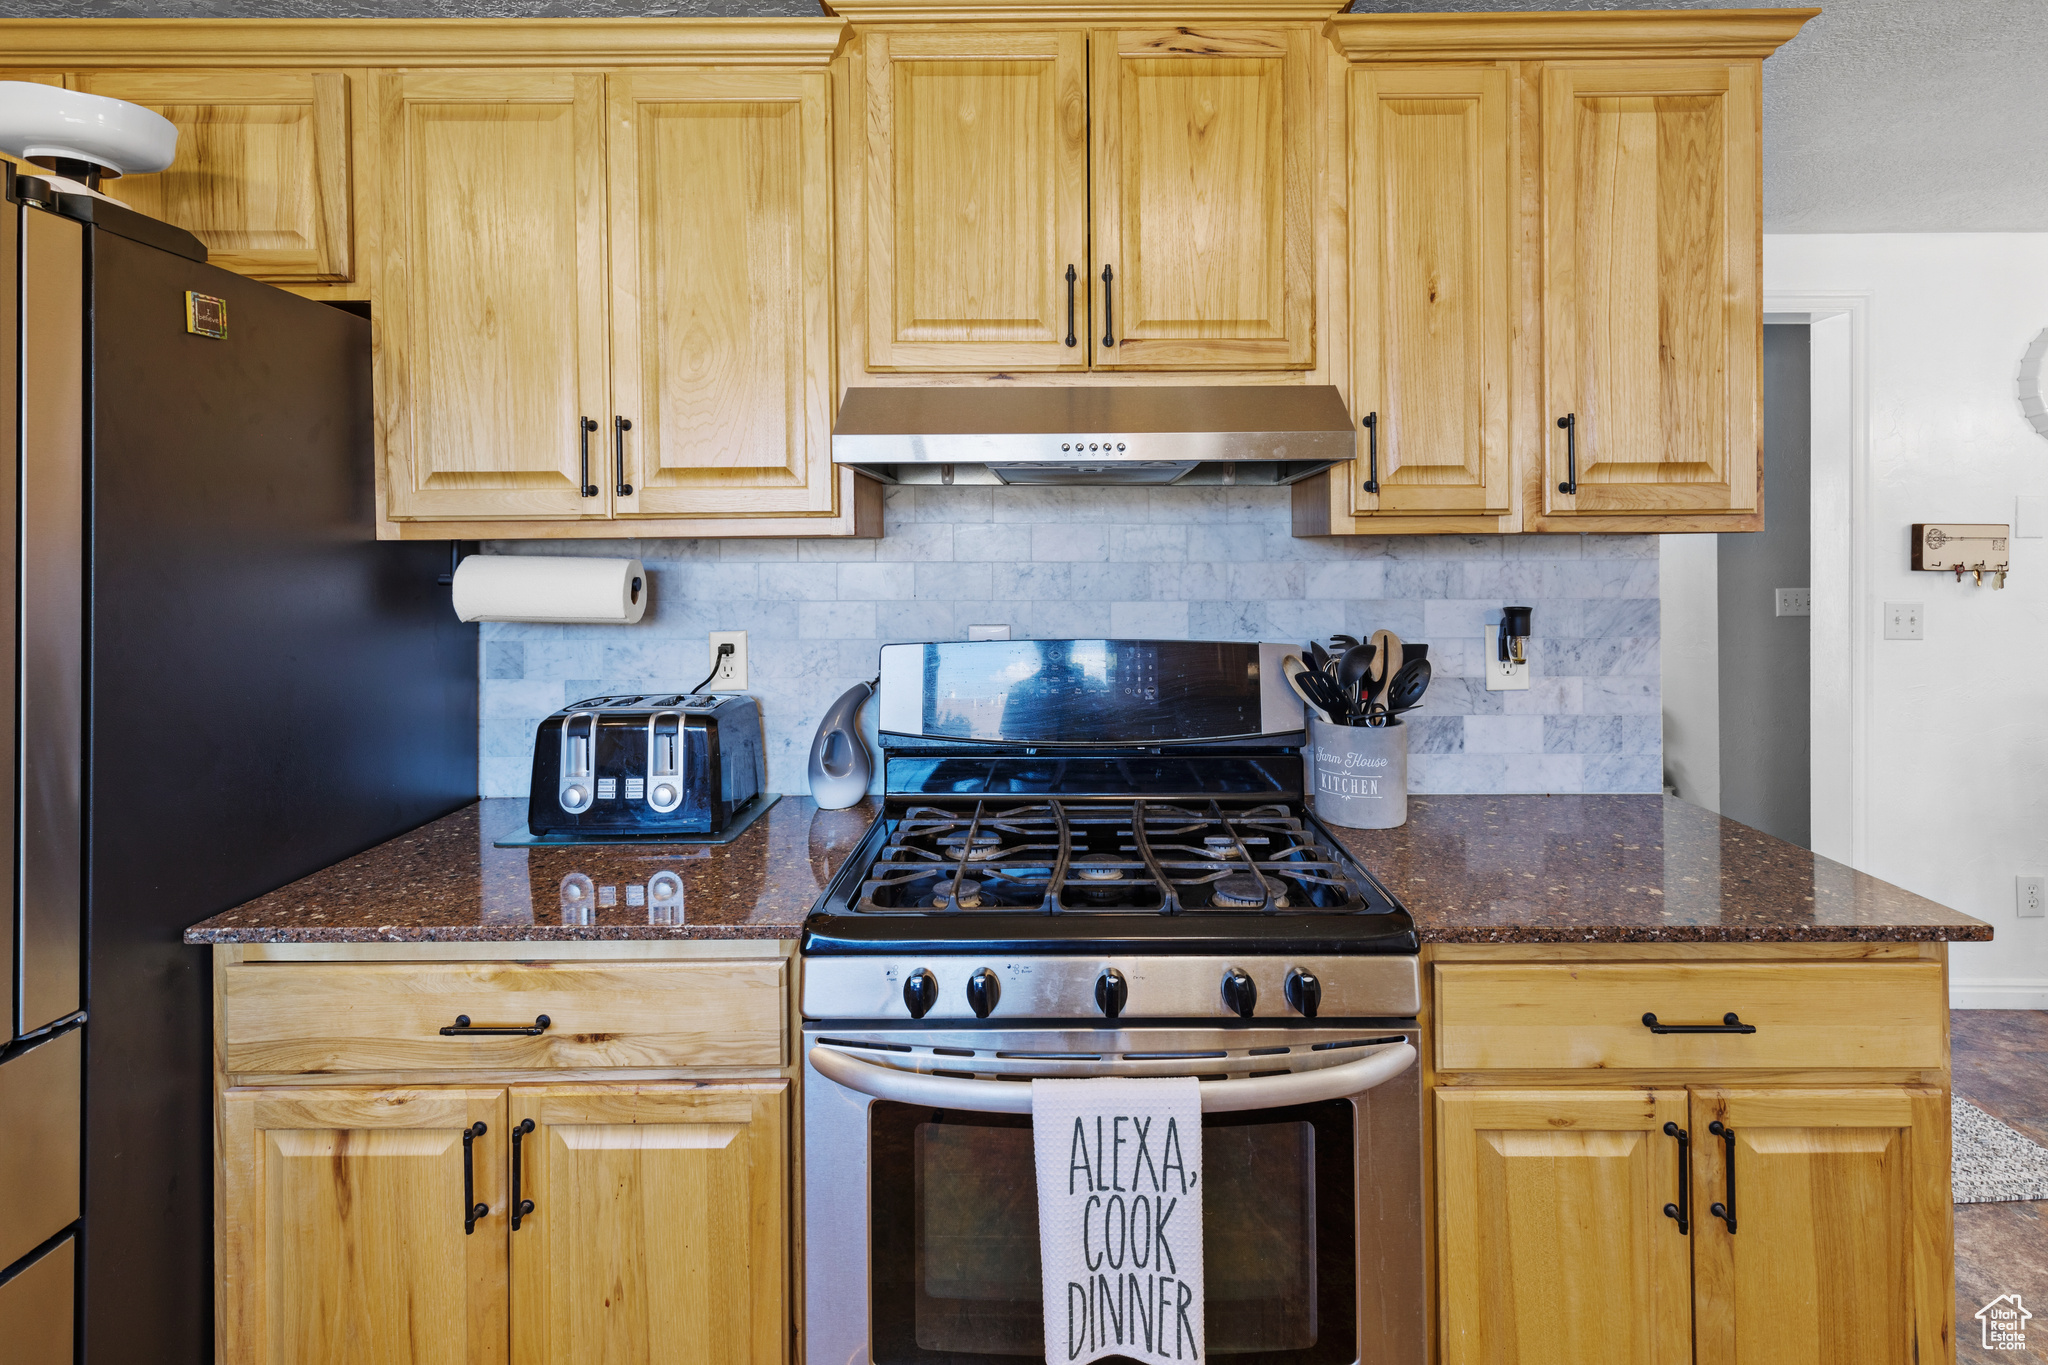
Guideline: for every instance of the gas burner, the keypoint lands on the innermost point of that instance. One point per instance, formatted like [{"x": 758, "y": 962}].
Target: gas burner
[
  {"x": 1105, "y": 884},
  {"x": 985, "y": 846},
  {"x": 970, "y": 895},
  {"x": 1241, "y": 891}
]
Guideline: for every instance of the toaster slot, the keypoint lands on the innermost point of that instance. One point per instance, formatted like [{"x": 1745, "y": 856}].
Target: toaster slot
[
  {"x": 579, "y": 755},
  {"x": 665, "y": 761}
]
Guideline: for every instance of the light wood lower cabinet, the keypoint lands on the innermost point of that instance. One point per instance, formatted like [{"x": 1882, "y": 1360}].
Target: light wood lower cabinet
[
  {"x": 1559, "y": 1237},
  {"x": 656, "y": 1229}
]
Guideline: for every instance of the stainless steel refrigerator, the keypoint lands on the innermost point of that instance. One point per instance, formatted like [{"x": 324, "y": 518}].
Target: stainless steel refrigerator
[{"x": 220, "y": 682}]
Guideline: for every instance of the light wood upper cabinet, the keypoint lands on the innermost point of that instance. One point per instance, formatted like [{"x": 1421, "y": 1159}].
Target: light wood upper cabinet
[
  {"x": 492, "y": 301},
  {"x": 977, "y": 188},
  {"x": 262, "y": 174},
  {"x": 1431, "y": 289},
  {"x": 1552, "y": 1240},
  {"x": 721, "y": 224},
  {"x": 1201, "y": 198},
  {"x": 343, "y": 1231},
  {"x": 1651, "y": 307},
  {"x": 658, "y": 1230},
  {"x": 1841, "y": 1250}
]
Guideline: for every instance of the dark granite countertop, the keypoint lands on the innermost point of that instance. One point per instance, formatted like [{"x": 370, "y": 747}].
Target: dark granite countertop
[
  {"x": 1471, "y": 869},
  {"x": 1628, "y": 869},
  {"x": 445, "y": 883}
]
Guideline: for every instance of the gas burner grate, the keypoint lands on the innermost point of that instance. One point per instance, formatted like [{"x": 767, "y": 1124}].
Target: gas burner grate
[{"x": 1132, "y": 857}]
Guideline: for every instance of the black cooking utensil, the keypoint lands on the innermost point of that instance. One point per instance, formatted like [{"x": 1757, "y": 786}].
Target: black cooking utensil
[
  {"x": 1353, "y": 665},
  {"x": 1405, "y": 691},
  {"x": 1318, "y": 657}
]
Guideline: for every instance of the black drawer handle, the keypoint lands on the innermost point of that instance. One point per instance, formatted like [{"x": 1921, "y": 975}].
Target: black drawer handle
[
  {"x": 1729, "y": 1024},
  {"x": 520, "y": 1207},
  {"x": 471, "y": 1210},
  {"x": 1682, "y": 1210},
  {"x": 1108, "y": 332},
  {"x": 1372, "y": 452},
  {"x": 462, "y": 1028},
  {"x": 1570, "y": 425},
  {"x": 1725, "y": 1212},
  {"x": 1071, "y": 277},
  {"x": 620, "y": 426},
  {"x": 588, "y": 424}
]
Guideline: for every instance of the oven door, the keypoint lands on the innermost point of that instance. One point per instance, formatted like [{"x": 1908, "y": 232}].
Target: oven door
[{"x": 921, "y": 1240}]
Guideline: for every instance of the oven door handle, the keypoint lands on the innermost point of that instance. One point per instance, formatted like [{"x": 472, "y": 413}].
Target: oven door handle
[{"x": 1010, "y": 1097}]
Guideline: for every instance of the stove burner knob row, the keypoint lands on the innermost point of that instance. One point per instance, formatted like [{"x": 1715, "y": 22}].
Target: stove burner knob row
[
  {"x": 1303, "y": 992},
  {"x": 1111, "y": 992},
  {"x": 920, "y": 993},
  {"x": 1240, "y": 992},
  {"x": 983, "y": 990}
]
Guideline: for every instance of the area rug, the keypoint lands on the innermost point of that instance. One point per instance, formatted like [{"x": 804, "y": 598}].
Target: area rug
[{"x": 1993, "y": 1163}]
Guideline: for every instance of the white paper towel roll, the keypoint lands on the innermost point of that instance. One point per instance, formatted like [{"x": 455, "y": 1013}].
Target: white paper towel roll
[{"x": 550, "y": 588}]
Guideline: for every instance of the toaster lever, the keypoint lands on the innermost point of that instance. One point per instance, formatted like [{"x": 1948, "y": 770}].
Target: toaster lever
[
  {"x": 665, "y": 738},
  {"x": 577, "y": 787}
]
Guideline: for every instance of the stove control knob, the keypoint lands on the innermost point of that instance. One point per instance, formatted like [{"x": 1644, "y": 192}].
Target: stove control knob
[
  {"x": 1240, "y": 992},
  {"x": 1111, "y": 991},
  {"x": 920, "y": 993},
  {"x": 983, "y": 990},
  {"x": 1303, "y": 992}
]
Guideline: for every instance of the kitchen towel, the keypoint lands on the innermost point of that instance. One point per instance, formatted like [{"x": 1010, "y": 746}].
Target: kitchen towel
[
  {"x": 1120, "y": 1217},
  {"x": 560, "y": 588}
]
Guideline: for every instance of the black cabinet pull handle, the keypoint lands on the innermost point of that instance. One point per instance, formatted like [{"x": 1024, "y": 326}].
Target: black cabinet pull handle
[
  {"x": 471, "y": 1210},
  {"x": 1730, "y": 1023},
  {"x": 1725, "y": 1212},
  {"x": 588, "y": 424},
  {"x": 462, "y": 1028},
  {"x": 1108, "y": 332},
  {"x": 1071, "y": 277},
  {"x": 1682, "y": 1210},
  {"x": 1372, "y": 452},
  {"x": 520, "y": 1207},
  {"x": 1569, "y": 423},
  {"x": 620, "y": 426}
]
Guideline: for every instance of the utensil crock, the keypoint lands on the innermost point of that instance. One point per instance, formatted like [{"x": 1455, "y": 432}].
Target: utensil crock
[{"x": 1358, "y": 774}]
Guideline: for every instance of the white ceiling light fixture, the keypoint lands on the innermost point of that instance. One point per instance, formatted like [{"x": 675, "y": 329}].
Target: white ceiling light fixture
[{"x": 2032, "y": 402}]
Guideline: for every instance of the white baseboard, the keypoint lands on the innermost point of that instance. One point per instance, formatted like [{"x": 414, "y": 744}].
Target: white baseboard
[{"x": 2010, "y": 993}]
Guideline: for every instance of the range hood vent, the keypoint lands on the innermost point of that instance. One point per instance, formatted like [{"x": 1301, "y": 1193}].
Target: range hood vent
[{"x": 1194, "y": 434}]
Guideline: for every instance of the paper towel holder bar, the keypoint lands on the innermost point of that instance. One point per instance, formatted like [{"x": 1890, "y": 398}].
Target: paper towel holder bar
[{"x": 455, "y": 554}]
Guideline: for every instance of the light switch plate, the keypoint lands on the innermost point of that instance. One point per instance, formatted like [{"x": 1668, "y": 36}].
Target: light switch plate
[
  {"x": 988, "y": 632},
  {"x": 1502, "y": 677},
  {"x": 732, "y": 670},
  {"x": 2033, "y": 897},
  {"x": 1795, "y": 601},
  {"x": 1902, "y": 621}
]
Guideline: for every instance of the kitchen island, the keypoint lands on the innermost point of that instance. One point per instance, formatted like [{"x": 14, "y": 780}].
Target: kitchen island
[{"x": 1687, "y": 1089}]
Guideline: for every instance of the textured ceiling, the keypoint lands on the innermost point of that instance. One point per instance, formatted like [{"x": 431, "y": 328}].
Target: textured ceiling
[{"x": 1881, "y": 116}]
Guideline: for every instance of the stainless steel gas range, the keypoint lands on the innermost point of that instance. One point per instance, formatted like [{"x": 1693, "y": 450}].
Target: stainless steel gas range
[{"x": 1095, "y": 858}]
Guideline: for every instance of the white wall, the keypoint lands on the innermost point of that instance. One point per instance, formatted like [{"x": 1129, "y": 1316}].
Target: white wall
[
  {"x": 1953, "y": 771},
  {"x": 1689, "y": 655}
]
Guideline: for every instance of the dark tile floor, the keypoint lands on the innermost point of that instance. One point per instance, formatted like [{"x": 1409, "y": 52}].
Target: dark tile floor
[{"x": 2000, "y": 1060}]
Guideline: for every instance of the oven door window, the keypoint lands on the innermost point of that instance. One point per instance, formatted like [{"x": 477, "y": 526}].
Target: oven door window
[{"x": 953, "y": 1237}]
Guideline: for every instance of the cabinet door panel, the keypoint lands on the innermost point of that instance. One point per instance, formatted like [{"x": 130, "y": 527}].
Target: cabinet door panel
[
  {"x": 1552, "y": 1240},
  {"x": 343, "y": 1239},
  {"x": 721, "y": 293},
  {"x": 1651, "y": 306},
  {"x": 1201, "y": 200},
  {"x": 262, "y": 169},
  {"x": 1843, "y": 1236},
  {"x": 658, "y": 1232},
  {"x": 492, "y": 308},
  {"x": 1431, "y": 323},
  {"x": 977, "y": 200}
]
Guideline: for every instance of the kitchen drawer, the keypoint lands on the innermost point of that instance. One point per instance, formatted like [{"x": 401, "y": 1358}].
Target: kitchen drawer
[
  {"x": 1807, "y": 1015},
  {"x": 339, "y": 1017}
]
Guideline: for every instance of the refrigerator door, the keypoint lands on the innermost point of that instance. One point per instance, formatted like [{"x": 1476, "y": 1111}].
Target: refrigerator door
[
  {"x": 36, "y": 1305},
  {"x": 39, "y": 1130},
  {"x": 51, "y": 597}
]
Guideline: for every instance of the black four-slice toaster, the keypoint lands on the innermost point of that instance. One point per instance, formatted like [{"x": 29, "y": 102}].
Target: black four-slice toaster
[{"x": 677, "y": 763}]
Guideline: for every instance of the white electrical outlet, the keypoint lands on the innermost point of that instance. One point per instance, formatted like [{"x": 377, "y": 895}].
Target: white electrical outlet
[
  {"x": 2033, "y": 897},
  {"x": 1795, "y": 601},
  {"x": 732, "y": 669},
  {"x": 1902, "y": 621},
  {"x": 1502, "y": 677},
  {"x": 988, "y": 632}
]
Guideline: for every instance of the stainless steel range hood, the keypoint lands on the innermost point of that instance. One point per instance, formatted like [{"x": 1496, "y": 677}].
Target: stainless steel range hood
[{"x": 1197, "y": 434}]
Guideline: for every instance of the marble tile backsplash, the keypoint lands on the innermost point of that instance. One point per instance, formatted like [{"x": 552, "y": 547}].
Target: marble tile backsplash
[{"x": 1162, "y": 563}]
